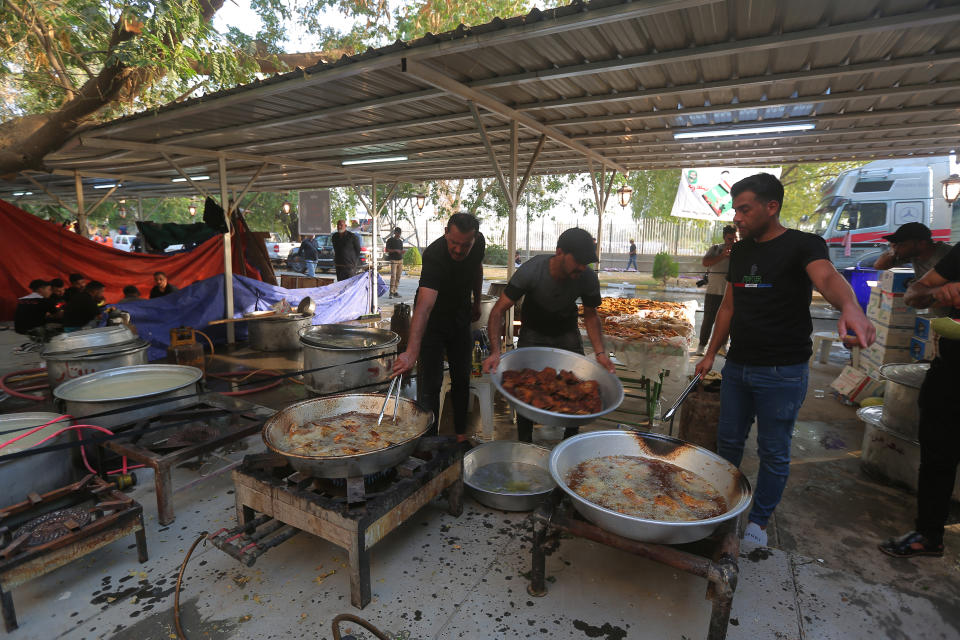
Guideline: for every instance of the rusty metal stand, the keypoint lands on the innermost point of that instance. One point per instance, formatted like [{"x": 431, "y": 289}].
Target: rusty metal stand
[
  {"x": 116, "y": 516},
  {"x": 289, "y": 503},
  {"x": 714, "y": 558},
  {"x": 241, "y": 419}
]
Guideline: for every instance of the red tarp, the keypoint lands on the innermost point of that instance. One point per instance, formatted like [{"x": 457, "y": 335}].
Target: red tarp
[{"x": 32, "y": 248}]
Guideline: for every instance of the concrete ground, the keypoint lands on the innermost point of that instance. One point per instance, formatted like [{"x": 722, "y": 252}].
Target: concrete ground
[{"x": 438, "y": 576}]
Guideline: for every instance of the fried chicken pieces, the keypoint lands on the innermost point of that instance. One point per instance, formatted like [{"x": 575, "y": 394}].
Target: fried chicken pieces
[{"x": 561, "y": 392}]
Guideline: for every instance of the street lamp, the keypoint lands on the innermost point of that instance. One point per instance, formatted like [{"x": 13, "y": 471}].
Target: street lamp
[
  {"x": 421, "y": 200},
  {"x": 286, "y": 206},
  {"x": 624, "y": 193},
  {"x": 951, "y": 188},
  {"x": 192, "y": 209}
]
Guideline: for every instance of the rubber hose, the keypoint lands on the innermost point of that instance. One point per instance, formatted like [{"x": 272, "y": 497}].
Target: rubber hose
[
  {"x": 176, "y": 592},
  {"x": 5, "y": 387}
]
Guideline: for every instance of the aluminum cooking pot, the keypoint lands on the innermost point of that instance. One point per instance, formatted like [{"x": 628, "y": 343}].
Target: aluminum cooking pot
[
  {"x": 76, "y": 354},
  {"x": 364, "y": 355},
  {"x": 724, "y": 477}
]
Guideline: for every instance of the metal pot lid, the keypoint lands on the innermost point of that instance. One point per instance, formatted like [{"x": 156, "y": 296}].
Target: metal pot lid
[
  {"x": 113, "y": 349},
  {"x": 89, "y": 339},
  {"x": 910, "y": 375},
  {"x": 872, "y": 415},
  {"x": 27, "y": 421},
  {"x": 346, "y": 337},
  {"x": 127, "y": 383}
]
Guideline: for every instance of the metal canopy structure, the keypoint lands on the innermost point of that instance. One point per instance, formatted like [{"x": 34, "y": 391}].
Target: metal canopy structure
[{"x": 609, "y": 83}]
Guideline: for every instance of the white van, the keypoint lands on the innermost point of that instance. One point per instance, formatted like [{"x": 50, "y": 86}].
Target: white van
[
  {"x": 123, "y": 242},
  {"x": 862, "y": 205}
]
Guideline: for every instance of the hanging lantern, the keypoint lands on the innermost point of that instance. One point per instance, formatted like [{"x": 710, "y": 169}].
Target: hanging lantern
[
  {"x": 951, "y": 188},
  {"x": 286, "y": 206},
  {"x": 421, "y": 200},
  {"x": 122, "y": 212},
  {"x": 623, "y": 194},
  {"x": 192, "y": 209}
]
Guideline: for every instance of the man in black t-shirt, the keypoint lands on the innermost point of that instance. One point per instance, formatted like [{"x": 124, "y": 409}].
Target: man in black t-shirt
[
  {"x": 442, "y": 313},
  {"x": 77, "y": 282},
  {"x": 550, "y": 287},
  {"x": 766, "y": 312},
  {"x": 162, "y": 286},
  {"x": 394, "y": 249},
  {"x": 938, "y": 433},
  {"x": 35, "y": 308},
  {"x": 84, "y": 307},
  {"x": 309, "y": 254},
  {"x": 346, "y": 251}
]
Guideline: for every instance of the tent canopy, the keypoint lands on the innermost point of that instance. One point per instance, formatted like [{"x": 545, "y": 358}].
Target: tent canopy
[{"x": 606, "y": 83}]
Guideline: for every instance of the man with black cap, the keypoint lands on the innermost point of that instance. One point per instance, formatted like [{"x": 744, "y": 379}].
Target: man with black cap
[
  {"x": 912, "y": 243},
  {"x": 550, "y": 286},
  {"x": 35, "y": 308},
  {"x": 77, "y": 282}
]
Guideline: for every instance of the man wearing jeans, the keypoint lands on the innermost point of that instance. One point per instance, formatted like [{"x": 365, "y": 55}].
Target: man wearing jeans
[{"x": 766, "y": 313}]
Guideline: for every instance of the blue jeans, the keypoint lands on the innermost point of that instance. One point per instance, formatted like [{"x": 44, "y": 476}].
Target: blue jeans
[
  {"x": 773, "y": 396},
  {"x": 632, "y": 261},
  {"x": 311, "y": 268}
]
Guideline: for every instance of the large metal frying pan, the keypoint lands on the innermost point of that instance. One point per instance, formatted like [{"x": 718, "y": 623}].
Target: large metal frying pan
[{"x": 277, "y": 428}]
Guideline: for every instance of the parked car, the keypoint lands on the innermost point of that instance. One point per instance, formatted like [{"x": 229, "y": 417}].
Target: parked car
[
  {"x": 276, "y": 249},
  {"x": 325, "y": 249}
]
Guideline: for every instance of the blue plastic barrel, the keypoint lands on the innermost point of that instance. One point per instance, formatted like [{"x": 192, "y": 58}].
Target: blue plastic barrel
[{"x": 859, "y": 278}]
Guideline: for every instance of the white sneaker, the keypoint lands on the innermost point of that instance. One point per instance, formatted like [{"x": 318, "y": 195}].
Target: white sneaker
[{"x": 755, "y": 535}]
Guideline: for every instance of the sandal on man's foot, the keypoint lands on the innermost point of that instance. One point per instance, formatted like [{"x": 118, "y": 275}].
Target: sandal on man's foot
[{"x": 909, "y": 545}]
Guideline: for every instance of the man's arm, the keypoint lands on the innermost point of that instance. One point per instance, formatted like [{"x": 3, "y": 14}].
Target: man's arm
[
  {"x": 721, "y": 331},
  {"x": 711, "y": 258},
  {"x": 477, "y": 288},
  {"x": 425, "y": 300},
  {"x": 494, "y": 329},
  {"x": 887, "y": 260},
  {"x": 837, "y": 291},
  {"x": 591, "y": 319},
  {"x": 933, "y": 289}
]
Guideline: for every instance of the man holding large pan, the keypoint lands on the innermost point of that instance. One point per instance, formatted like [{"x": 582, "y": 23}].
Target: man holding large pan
[
  {"x": 550, "y": 286},
  {"x": 766, "y": 312},
  {"x": 442, "y": 312}
]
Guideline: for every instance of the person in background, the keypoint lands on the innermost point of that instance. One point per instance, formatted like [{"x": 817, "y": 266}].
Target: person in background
[
  {"x": 77, "y": 282},
  {"x": 516, "y": 259},
  {"x": 717, "y": 261},
  {"x": 394, "y": 248},
  {"x": 766, "y": 313},
  {"x": 57, "y": 288},
  {"x": 550, "y": 286},
  {"x": 912, "y": 243},
  {"x": 83, "y": 309},
  {"x": 309, "y": 255},
  {"x": 162, "y": 286},
  {"x": 632, "y": 260},
  {"x": 108, "y": 239},
  {"x": 346, "y": 251},
  {"x": 442, "y": 313},
  {"x": 130, "y": 294},
  {"x": 938, "y": 433},
  {"x": 34, "y": 309}
]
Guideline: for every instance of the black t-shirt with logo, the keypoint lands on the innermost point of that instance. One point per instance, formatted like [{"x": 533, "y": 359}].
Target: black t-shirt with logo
[
  {"x": 453, "y": 281},
  {"x": 949, "y": 268},
  {"x": 771, "y": 322},
  {"x": 32, "y": 312}
]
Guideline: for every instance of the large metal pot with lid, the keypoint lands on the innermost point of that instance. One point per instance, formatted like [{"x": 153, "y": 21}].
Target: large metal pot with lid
[
  {"x": 71, "y": 355},
  {"x": 901, "y": 411},
  {"x": 19, "y": 477},
  {"x": 128, "y": 394},
  {"x": 276, "y": 332},
  {"x": 348, "y": 356}
]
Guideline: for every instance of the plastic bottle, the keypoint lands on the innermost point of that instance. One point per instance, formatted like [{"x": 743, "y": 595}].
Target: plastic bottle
[{"x": 477, "y": 359}]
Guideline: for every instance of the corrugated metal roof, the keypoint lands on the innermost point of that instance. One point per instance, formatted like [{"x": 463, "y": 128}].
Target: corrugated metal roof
[{"x": 877, "y": 78}]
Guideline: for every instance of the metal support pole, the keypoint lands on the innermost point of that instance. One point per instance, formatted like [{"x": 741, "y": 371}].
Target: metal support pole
[
  {"x": 375, "y": 213},
  {"x": 81, "y": 214},
  {"x": 227, "y": 251}
]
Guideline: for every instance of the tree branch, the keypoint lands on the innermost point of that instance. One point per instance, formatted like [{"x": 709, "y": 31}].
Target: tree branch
[{"x": 40, "y": 30}]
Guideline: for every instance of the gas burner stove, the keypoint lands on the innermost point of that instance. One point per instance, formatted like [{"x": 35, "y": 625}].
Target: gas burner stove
[
  {"x": 53, "y": 526},
  {"x": 274, "y": 503},
  {"x": 44, "y": 533}
]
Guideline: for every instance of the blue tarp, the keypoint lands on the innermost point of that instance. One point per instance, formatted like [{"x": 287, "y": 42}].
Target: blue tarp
[{"x": 203, "y": 301}]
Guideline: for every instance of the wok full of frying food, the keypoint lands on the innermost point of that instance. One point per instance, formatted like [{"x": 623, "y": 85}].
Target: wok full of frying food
[
  {"x": 347, "y": 434},
  {"x": 552, "y": 390}
]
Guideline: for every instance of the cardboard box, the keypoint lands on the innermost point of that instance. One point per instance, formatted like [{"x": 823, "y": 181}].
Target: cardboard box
[
  {"x": 878, "y": 354},
  {"x": 924, "y": 350},
  {"x": 889, "y": 301},
  {"x": 856, "y": 385},
  {"x": 894, "y": 280},
  {"x": 922, "y": 328},
  {"x": 893, "y": 336},
  {"x": 893, "y": 319}
]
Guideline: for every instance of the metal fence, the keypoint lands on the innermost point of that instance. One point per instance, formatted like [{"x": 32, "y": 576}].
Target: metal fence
[{"x": 676, "y": 236}]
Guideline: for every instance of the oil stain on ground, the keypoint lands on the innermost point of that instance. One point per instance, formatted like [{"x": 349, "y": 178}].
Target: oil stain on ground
[
  {"x": 159, "y": 626},
  {"x": 607, "y": 631}
]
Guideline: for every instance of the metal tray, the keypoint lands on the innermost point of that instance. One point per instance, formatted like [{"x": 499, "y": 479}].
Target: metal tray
[{"x": 489, "y": 469}]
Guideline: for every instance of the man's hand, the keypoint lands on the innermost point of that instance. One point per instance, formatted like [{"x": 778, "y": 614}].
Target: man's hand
[
  {"x": 852, "y": 319},
  {"x": 491, "y": 362},
  {"x": 705, "y": 365},
  {"x": 475, "y": 315},
  {"x": 404, "y": 363},
  {"x": 607, "y": 363},
  {"x": 726, "y": 252},
  {"x": 948, "y": 295}
]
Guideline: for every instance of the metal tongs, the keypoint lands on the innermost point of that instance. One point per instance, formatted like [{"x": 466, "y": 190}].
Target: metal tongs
[
  {"x": 683, "y": 396},
  {"x": 395, "y": 381}
]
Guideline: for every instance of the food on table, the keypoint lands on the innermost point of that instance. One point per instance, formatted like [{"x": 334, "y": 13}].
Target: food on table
[
  {"x": 346, "y": 435},
  {"x": 644, "y": 320},
  {"x": 646, "y": 488},
  {"x": 548, "y": 389}
]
